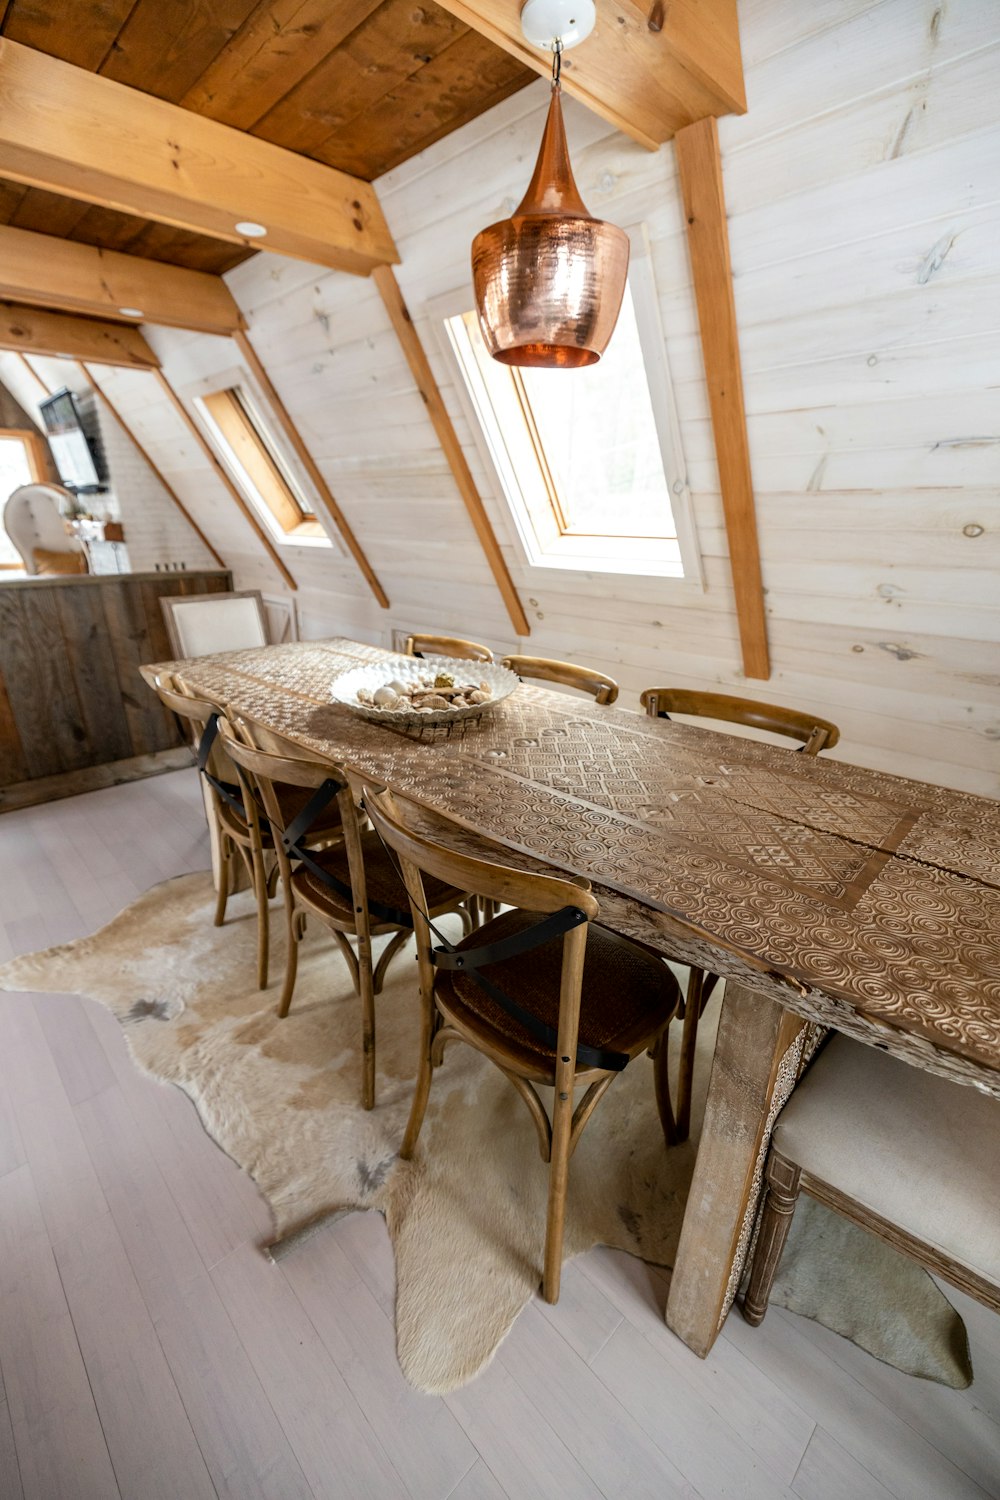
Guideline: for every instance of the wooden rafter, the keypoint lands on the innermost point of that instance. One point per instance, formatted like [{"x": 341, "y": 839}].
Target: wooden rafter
[
  {"x": 416, "y": 358},
  {"x": 223, "y": 477},
  {"x": 326, "y": 496},
  {"x": 700, "y": 169},
  {"x": 45, "y": 271},
  {"x": 73, "y": 132},
  {"x": 649, "y": 68},
  {"x": 178, "y": 502},
  {"x": 37, "y": 330}
]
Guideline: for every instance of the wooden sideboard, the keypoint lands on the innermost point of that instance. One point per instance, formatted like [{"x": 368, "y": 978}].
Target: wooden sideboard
[{"x": 74, "y": 711}]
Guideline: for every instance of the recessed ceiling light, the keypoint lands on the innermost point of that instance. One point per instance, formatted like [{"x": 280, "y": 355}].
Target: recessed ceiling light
[
  {"x": 251, "y": 230},
  {"x": 130, "y": 312}
]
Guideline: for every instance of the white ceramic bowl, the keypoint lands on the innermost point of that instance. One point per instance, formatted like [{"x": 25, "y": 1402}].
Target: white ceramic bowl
[{"x": 407, "y": 669}]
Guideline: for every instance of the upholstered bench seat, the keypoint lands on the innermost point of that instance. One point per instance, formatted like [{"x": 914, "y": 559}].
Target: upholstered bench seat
[{"x": 917, "y": 1150}]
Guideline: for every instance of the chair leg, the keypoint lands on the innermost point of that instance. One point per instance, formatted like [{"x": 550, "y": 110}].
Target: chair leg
[
  {"x": 295, "y": 929},
  {"x": 425, "y": 1076},
  {"x": 689, "y": 1041},
  {"x": 775, "y": 1222},
  {"x": 366, "y": 985},
  {"x": 661, "y": 1082},
  {"x": 225, "y": 865},
  {"x": 562, "y": 1139},
  {"x": 263, "y": 922}
]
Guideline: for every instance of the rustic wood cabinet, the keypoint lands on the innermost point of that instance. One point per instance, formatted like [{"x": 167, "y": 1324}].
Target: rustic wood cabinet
[{"x": 74, "y": 711}]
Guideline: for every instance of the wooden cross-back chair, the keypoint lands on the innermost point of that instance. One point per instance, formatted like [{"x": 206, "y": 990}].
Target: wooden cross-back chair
[
  {"x": 557, "y": 1002},
  {"x": 446, "y": 645},
  {"x": 602, "y": 688},
  {"x": 351, "y": 887},
  {"x": 238, "y": 826},
  {"x": 814, "y": 734}
]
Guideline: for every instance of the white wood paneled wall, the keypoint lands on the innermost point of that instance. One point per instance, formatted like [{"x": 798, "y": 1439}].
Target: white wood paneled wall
[{"x": 864, "y": 192}]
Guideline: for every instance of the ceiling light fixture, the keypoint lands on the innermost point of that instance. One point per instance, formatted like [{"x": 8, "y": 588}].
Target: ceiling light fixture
[
  {"x": 549, "y": 281},
  {"x": 250, "y": 230}
]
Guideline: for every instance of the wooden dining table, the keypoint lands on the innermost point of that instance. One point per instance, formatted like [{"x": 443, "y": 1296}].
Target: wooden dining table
[{"x": 826, "y": 895}]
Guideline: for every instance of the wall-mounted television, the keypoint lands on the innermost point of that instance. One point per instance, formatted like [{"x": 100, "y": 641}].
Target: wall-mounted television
[{"x": 77, "y": 455}]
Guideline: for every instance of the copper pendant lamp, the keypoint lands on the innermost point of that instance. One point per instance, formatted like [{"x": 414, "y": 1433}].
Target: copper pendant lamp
[{"x": 549, "y": 281}]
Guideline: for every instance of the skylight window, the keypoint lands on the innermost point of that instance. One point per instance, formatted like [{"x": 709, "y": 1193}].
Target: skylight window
[
  {"x": 588, "y": 460},
  {"x": 259, "y": 467}
]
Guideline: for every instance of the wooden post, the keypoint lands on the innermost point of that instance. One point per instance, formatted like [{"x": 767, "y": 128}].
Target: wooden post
[
  {"x": 700, "y": 169},
  {"x": 205, "y": 446},
  {"x": 112, "y": 408},
  {"x": 337, "y": 516},
  {"x": 756, "y": 1038},
  {"x": 399, "y": 315}
]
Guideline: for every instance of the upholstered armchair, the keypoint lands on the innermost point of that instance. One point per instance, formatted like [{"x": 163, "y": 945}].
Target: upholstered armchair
[{"x": 33, "y": 522}]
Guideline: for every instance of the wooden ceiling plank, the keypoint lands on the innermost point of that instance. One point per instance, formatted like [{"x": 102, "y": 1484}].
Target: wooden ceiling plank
[
  {"x": 38, "y": 208},
  {"x": 86, "y": 43},
  {"x": 165, "y": 45},
  {"x": 74, "y": 133},
  {"x": 311, "y": 467},
  {"x": 462, "y": 82},
  {"x": 398, "y": 39},
  {"x": 399, "y": 315},
  {"x": 700, "y": 168},
  {"x": 279, "y": 44},
  {"x": 222, "y": 475},
  {"x": 48, "y": 272},
  {"x": 178, "y": 502},
  {"x": 35, "y": 330},
  {"x": 646, "y": 83}
]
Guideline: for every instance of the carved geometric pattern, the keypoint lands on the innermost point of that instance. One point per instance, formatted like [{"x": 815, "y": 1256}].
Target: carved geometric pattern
[{"x": 841, "y": 892}]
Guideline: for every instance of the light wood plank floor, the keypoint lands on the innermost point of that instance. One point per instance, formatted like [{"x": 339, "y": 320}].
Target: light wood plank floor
[{"x": 148, "y": 1349}]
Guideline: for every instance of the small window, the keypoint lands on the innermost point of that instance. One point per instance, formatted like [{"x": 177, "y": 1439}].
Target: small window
[
  {"x": 588, "y": 459},
  {"x": 259, "y": 467},
  {"x": 20, "y": 463}
]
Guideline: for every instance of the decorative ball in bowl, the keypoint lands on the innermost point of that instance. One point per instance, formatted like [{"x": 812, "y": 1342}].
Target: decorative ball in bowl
[{"x": 408, "y": 690}]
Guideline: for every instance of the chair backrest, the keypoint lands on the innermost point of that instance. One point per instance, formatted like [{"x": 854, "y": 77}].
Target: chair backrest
[
  {"x": 261, "y": 771},
  {"x": 814, "y": 733},
  {"x": 417, "y": 854},
  {"x": 446, "y": 645},
  {"x": 200, "y": 624},
  {"x": 34, "y": 523},
  {"x": 195, "y": 712},
  {"x": 602, "y": 688}
]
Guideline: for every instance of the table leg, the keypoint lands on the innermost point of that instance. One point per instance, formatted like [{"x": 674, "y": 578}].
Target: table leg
[{"x": 757, "y": 1059}]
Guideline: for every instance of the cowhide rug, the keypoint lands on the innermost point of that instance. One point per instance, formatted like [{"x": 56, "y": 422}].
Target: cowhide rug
[{"x": 467, "y": 1216}]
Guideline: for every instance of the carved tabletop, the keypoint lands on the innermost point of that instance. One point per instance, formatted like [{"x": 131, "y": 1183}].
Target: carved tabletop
[{"x": 860, "y": 900}]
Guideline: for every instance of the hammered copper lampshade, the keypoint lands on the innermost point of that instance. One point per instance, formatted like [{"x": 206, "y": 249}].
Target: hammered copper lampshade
[{"x": 549, "y": 281}]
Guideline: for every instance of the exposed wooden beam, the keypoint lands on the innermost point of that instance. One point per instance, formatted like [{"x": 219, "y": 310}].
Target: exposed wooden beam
[
  {"x": 334, "y": 511},
  {"x": 700, "y": 168},
  {"x": 36, "y": 330},
  {"x": 399, "y": 315},
  {"x": 73, "y": 132},
  {"x": 206, "y": 448},
  {"x": 49, "y": 272},
  {"x": 650, "y": 67},
  {"x": 113, "y": 409}
]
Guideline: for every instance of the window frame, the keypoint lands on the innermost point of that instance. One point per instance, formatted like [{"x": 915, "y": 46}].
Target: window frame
[
  {"x": 312, "y": 530},
  {"x": 597, "y": 553}
]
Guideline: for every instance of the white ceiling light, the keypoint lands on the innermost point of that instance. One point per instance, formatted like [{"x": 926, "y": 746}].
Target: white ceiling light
[
  {"x": 546, "y": 22},
  {"x": 130, "y": 312},
  {"x": 250, "y": 230}
]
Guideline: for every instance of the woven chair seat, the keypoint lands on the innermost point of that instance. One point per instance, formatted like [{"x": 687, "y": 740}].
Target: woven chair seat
[
  {"x": 383, "y": 883},
  {"x": 626, "y": 993},
  {"x": 291, "y": 801}
]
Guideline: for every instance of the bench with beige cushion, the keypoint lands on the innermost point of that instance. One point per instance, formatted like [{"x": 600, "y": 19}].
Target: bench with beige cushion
[{"x": 909, "y": 1156}]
